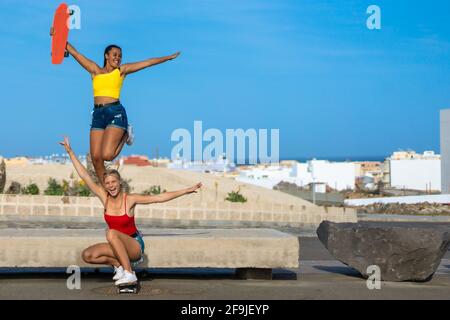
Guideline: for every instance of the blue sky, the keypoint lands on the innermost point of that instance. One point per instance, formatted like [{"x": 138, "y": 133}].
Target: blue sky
[{"x": 309, "y": 68}]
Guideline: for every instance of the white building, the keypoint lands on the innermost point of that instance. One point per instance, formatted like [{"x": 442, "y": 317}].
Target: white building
[
  {"x": 410, "y": 170},
  {"x": 337, "y": 175},
  {"x": 222, "y": 165},
  {"x": 266, "y": 176}
]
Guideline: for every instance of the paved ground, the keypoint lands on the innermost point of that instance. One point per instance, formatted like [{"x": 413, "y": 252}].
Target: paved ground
[
  {"x": 319, "y": 277},
  {"x": 309, "y": 286}
]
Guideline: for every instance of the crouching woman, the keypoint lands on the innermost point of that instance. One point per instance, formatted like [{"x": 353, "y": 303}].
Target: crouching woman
[{"x": 125, "y": 244}]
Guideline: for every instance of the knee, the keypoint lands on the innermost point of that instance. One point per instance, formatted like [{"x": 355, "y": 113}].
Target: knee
[
  {"x": 97, "y": 159},
  {"x": 108, "y": 155},
  {"x": 87, "y": 255},
  {"x": 111, "y": 235}
]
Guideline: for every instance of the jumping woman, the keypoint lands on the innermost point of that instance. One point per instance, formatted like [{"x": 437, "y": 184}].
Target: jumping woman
[
  {"x": 109, "y": 127},
  {"x": 124, "y": 242}
]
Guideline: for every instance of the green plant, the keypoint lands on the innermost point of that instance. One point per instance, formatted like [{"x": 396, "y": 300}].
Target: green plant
[
  {"x": 236, "y": 196},
  {"x": 32, "y": 189},
  {"x": 76, "y": 188},
  {"x": 65, "y": 187},
  {"x": 153, "y": 190},
  {"x": 54, "y": 188},
  {"x": 81, "y": 189}
]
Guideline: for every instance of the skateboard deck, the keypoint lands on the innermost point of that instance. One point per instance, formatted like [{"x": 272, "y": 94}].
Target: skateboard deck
[
  {"x": 60, "y": 33},
  {"x": 128, "y": 288}
]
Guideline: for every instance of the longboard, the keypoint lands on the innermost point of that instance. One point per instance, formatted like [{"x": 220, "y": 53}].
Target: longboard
[
  {"x": 128, "y": 288},
  {"x": 60, "y": 33}
]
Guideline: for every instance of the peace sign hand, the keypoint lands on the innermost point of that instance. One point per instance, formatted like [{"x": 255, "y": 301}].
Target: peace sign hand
[{"x": 66, "y": 144}]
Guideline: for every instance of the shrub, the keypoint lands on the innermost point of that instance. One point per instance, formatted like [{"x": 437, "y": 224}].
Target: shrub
[
  {"x": 153, "y": 190},
  {"x": 83, "y": 190},
  {"x": 236, "y": 196},
  {"x": 32, "y": 189},
  {"x": 76, "y": 189},
  {"x": 80, "y": 189},
  {"x": 54, "y": 188}
]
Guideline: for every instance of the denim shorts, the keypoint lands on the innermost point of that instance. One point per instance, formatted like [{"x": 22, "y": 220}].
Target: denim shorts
[
  {"x": 110, "y": 116},
  {"x": 140, "y": 240}
]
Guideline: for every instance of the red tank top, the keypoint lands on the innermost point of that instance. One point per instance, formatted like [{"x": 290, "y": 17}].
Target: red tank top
[{"x": 123, "y": 223}]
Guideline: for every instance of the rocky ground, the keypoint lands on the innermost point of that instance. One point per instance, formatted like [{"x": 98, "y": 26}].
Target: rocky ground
[{"x": 406, "y": 209}]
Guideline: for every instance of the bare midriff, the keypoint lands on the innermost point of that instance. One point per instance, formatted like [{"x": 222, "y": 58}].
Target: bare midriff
[{"x": 103, "y": 100}]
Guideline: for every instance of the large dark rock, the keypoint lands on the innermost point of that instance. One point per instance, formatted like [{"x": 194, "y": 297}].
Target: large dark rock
[{"x": 402, "y": 251}]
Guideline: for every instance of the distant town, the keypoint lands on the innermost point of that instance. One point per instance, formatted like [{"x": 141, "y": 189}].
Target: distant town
[{"x": 406, "y": 171}]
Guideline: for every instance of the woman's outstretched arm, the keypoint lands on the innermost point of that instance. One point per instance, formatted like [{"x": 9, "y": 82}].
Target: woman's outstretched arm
[
  {"x": 89, "y": 65},
  {"x": 98, "y": 190},
  {"x": 86, "y": 63},
  {"x": 128, "y": 68},
  {"x": 163, "y": 197}
]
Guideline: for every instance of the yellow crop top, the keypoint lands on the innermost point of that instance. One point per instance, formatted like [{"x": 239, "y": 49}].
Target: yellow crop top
[{"x": 108, "y": 84}]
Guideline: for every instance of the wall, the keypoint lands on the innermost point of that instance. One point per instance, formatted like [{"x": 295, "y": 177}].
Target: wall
[
  {"x": 416, "y": 174},
  {"x": 22, "y": 205},
  {"x": 445, "y": 150}
]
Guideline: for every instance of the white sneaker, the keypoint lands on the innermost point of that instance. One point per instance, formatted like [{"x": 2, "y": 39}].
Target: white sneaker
[
  {"x": 118, "y": 273},
  {"x": 128, "y": 277},
  {"x": 130, "y": 139},
  {"x": 108, "y": 164}
]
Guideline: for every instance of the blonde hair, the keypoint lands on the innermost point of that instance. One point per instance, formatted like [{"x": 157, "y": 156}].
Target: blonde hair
[{"x": 112, "y": 172}]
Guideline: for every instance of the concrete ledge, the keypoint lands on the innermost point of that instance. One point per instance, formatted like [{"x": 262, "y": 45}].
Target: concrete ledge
[{"x": 165, "y": 248}]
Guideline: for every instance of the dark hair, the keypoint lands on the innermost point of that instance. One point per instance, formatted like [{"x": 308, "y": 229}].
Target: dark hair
[{"x": 107, "y": 50}]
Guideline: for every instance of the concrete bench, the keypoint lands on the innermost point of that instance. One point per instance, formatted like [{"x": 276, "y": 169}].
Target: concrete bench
[{"x": 252, "y": 252}]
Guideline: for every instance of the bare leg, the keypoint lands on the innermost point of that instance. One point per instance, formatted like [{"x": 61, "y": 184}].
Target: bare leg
[
  {"x": 121, "y": 144},
  {"x": 100, "y": 253},
  {"x": 96, "y": 140},
  {"x": 113, "y": 142},
  {"x": 125, "y": 248}
]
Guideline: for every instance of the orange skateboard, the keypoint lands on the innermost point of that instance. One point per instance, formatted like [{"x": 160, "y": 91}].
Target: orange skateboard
[{"x": 60, "y": 33}]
